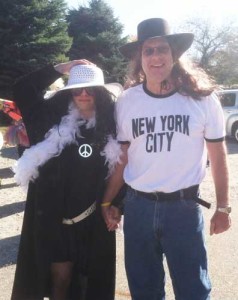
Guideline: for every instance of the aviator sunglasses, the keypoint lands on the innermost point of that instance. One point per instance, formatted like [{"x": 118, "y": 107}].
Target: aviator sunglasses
[
  {"x": 149, "y": 51},
  {"x": 79, "y": 91}
]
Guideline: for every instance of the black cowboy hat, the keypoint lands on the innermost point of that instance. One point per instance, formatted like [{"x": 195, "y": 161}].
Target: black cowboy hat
[{"x": 154, "y": 28}]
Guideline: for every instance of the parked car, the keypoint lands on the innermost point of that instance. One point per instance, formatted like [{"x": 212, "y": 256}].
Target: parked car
[{"x": 229, "y": 102}]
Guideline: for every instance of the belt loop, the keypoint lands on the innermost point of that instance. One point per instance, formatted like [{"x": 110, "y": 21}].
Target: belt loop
[
  {"x": 133, "y": 191},
  {"x": 181, "y": 194},
  {"x": 156, "y": 196}
]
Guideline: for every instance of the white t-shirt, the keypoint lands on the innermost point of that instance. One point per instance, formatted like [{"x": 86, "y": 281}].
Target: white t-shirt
[{"x": 166, "y": 134}]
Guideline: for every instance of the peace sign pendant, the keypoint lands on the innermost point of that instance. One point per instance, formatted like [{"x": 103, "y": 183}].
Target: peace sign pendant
[{"x": 85, "y": 150}]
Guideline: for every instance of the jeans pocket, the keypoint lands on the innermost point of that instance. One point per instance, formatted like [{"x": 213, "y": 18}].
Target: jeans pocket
[{"x": 190, "y": 204}]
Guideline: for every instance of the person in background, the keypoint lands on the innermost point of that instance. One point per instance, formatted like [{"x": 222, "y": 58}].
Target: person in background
[
  {"x": 66, "y": 251},
  {"x": 168, "y": 118},
  {"x": 15, "y": 134}
]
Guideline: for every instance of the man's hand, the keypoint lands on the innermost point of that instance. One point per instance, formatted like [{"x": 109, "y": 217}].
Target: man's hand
[
  {"x": 220, "y": 222},
  {"x": 112, "y": 217}
]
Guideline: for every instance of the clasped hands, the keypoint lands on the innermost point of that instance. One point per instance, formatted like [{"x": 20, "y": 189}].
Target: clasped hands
[{"x": 112, "y": 217}]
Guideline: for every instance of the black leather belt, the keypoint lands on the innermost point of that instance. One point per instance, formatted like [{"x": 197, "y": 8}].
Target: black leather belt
[{"x": 189, "y": 193}]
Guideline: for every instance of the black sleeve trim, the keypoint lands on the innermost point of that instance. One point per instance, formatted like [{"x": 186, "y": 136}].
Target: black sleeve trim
[
  {"x": 123, "y": 142},
  {"x": 216, "y": 140}
]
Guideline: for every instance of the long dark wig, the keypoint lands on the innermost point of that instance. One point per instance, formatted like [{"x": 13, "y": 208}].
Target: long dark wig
[
  {"x": 105, "y": 117},
  {"x": 188, "y": 79}
]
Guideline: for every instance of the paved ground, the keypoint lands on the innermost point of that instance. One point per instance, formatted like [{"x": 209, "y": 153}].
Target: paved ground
[{"x": 222, "y": 249}]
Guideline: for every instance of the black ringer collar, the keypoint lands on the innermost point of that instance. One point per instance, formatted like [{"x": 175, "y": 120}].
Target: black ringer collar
[{"x": 155, "y": 95}]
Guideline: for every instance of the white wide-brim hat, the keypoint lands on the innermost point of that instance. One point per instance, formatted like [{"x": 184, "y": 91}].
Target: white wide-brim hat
[{"x": 89, "y": 76}]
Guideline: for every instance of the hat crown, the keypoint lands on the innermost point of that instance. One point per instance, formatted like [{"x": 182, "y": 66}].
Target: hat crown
[
  {"x": 82, "y": 76},
  {"x": 155, "y": 28},
  {"x": 151, "y": 28},
  {"x": 85, "y": 74}
]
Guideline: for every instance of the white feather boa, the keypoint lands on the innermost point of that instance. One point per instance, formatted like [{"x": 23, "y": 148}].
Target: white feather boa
[
  {"x": 112, "y": 152},
  {"x": 26, "y": 168}
]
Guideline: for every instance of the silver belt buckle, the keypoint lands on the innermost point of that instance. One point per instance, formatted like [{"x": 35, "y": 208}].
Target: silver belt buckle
[{"x": 68, "y": 221}]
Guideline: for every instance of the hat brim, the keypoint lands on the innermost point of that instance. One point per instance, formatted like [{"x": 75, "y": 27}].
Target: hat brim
[
  {"x": 114, "y": 88},
  {"x": 180, "y": 42}
]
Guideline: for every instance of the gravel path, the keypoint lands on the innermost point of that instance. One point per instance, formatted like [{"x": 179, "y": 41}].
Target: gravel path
[{"x": 222, "y": 249}]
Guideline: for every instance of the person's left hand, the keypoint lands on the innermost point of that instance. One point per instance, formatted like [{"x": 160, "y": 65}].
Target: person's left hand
[{"x": 220, "y": 222}]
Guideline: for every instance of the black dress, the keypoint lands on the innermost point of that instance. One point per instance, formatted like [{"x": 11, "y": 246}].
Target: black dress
[{"x": 66, "y": 186}]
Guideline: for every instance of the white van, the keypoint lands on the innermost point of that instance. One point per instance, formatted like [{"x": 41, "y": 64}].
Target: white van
[{"x": 229, "y": 102}]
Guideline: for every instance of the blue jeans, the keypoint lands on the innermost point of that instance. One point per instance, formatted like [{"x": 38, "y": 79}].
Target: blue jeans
[{"x": 173, "y": 228}]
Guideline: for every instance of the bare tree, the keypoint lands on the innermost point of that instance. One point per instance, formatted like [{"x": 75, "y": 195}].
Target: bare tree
[
  {"x": 215, "y": 49},
  {"x": 225, "y": 65}
]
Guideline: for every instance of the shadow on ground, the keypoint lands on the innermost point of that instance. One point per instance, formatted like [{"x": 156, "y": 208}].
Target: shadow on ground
[
  {"x": 6, "y": 173},
  {"x": 9, "y": 152},
  {"x": 232, "y": 146},
  {"x": 8, "y": 186},
  {"x": 8, "y": 250},
  {"x": 11, "y": 209}
]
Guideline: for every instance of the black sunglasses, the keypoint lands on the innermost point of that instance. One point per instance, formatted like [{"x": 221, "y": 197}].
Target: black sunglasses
[
  {"x": 89, "y": 90},
  {"x": 148, "y": 51}
]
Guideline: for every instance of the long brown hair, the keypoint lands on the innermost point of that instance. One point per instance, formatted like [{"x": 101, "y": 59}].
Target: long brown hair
[{"x": 188, "y": 79}]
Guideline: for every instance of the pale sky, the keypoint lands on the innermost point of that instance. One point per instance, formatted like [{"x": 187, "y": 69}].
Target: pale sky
[{"x": 131, "y": 12}]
